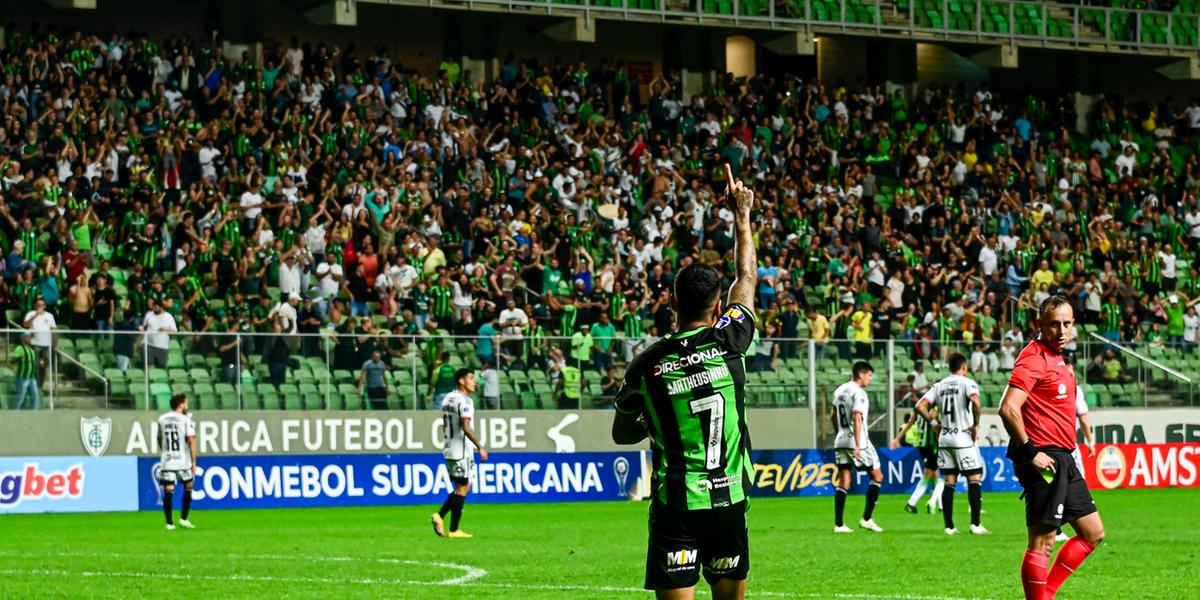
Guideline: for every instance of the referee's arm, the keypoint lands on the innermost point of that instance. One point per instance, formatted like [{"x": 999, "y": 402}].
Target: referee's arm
[{"x": 1010, "y": 413}]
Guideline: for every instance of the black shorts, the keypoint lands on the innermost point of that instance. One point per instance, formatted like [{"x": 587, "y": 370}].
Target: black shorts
[
  {"x": 683, "y": 541},
  {"x": 1045, "y": 505},
  {"x": 928, "y": 457}
]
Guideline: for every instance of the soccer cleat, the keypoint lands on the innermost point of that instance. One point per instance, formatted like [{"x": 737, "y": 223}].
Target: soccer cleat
[
  {"x": 979, "y": 530},
  {"x": 1062, "y": 537},
  {"x": 930, "y": 508},
  {"x": 951, "y": 531},
  {"x": 170, "y": 527},
  {"x": 870, "y": 524},
  {"x": 436, "y": 519},
  {"x": 910, "y": 508},
  {"x": 186, "y": 524},
  {"x": 842, "y": 529},
  {"x": 460, "y": 534}
]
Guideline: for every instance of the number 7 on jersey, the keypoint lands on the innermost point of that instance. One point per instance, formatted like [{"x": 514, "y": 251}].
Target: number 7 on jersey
[{"x": 716, "y": 425}]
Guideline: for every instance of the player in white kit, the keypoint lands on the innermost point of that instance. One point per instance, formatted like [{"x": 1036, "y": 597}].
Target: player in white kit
[
  {"x": 460, "y": 442},
  {"x": 177, "y": 443},
  {"x": 1085, "y": 424},
  {"x": 957, "y": 401},
  {"x": 852, "y": 449}
]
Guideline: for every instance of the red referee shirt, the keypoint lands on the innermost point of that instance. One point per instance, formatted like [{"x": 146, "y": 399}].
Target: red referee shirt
[{"x": 1049, "y": 413}]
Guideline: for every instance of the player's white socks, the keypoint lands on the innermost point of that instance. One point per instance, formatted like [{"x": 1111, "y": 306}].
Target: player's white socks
[
  {"x": 936, "y": 499},
  {"x": 920, "y": 491}
]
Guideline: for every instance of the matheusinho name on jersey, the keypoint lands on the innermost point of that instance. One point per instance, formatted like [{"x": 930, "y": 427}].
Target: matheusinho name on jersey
[
  {"x": 695, "y": 358},
  {"x": 715, "y": 373}
]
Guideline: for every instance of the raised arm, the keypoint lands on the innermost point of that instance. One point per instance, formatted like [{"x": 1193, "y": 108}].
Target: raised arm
[{"x": 742, "y": 290}]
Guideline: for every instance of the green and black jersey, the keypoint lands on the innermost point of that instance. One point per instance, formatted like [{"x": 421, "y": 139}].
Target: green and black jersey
[
  {"x": 926, "y": 434},
  {"x": 691, "y": 388},
  {"x": 27, "y": 361}
]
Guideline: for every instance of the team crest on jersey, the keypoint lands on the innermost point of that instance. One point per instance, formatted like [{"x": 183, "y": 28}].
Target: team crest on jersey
[
  {"x": 95, "y": 434},
  {"x": 731, "y": 315}
]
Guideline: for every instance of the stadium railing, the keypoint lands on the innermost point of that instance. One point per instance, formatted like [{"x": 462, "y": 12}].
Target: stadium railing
[
  {"x": 1033, "y": 24},
  {"x": 89, "y": 369}
]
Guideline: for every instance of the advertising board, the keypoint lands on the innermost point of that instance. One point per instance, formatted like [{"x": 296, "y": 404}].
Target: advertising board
[{"x": 68, "y": 484}]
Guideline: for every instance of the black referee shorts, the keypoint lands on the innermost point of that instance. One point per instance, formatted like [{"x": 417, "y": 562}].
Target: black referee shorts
[
  {"x": 1049, "y": 504},
  {"x": 683, "y": 541},
  {"x": 929, "y": 457}
]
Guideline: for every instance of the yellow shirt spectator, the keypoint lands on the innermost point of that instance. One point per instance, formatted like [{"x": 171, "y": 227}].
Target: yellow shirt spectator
[
  {"x": 1041, "y": 276},
  {"x": 818, "y": 327},
  {"x": 861, "y": 322}
]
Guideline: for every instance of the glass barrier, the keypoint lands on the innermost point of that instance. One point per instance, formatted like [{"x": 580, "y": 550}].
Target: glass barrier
[{"x": 368, "y": 369}]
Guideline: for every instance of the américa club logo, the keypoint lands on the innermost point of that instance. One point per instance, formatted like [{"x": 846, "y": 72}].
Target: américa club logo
[{"x": 95, "y": 433}]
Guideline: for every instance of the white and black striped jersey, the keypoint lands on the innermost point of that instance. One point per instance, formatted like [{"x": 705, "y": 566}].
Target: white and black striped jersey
[
  {"x": 456, "y": 406},
  {"x": 849, "y": 398},
  {"x": 956, "y": 412},
  {"x": 174, "y": 429}
]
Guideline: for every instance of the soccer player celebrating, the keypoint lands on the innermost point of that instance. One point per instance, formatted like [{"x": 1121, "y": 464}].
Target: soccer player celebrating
[
  {"x": 926, "y": 445},
  {"x": 1038, "y": 410},
  {"x": 957, "y": 401},
  {"x": 457, "y": 411},
  {"x": 177, "y": 441},
  {"x": 852, "y": 449},
  {"x": 687, "y": 392}
]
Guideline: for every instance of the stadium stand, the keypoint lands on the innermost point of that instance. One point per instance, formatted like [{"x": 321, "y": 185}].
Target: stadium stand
[{"x": 541, "y": 215}]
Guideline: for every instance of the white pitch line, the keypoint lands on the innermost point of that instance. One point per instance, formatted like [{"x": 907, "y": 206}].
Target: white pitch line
[
  {"x": 478, "y": 584},
  {"x": 470, "y": 577},
  {"x": 470, "y": 573}
]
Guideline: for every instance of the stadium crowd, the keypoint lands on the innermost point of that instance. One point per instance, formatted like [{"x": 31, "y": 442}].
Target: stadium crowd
[{"x": 329, "y": 187}]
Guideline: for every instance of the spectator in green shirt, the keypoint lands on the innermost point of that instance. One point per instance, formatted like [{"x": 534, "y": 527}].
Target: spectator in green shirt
[{"x": 606, "y": 335}]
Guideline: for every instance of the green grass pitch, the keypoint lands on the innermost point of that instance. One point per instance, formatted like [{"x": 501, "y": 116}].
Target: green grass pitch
[{"x": 578, "y": 551}]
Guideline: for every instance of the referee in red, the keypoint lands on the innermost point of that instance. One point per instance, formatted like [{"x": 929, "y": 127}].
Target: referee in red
[{"x": 1038, "y": 410}]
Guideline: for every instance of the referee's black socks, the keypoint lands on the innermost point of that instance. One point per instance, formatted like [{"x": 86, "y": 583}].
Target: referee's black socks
[
  {"x": 872, "y": 498},
  {"x": 187, "y": 504},
  {"x": 948, "y": 505},
  {"x": 168, "y": 500},
  {"x": 975, "y": 497},
  {"x": 839, "y": 506}
]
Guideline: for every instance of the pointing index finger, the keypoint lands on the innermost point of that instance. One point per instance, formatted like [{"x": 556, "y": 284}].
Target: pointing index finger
[{"x": 729, "y": 176}]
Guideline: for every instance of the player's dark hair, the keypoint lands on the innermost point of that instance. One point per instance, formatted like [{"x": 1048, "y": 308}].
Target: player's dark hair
[
  {"x": 861, "y": 367},
  {"x": 1052, "y": 303},
  {"x": 177, "y": 400},
  {"x": 956, "y": 362},
  {"x": 696, "y": 290},
  {"x": 461, "y": 374}
]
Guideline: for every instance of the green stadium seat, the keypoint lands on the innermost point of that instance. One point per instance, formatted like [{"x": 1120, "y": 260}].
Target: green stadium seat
[
  {"x": 159, "y": 376},
  {"x": 269, "y": 400}
]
